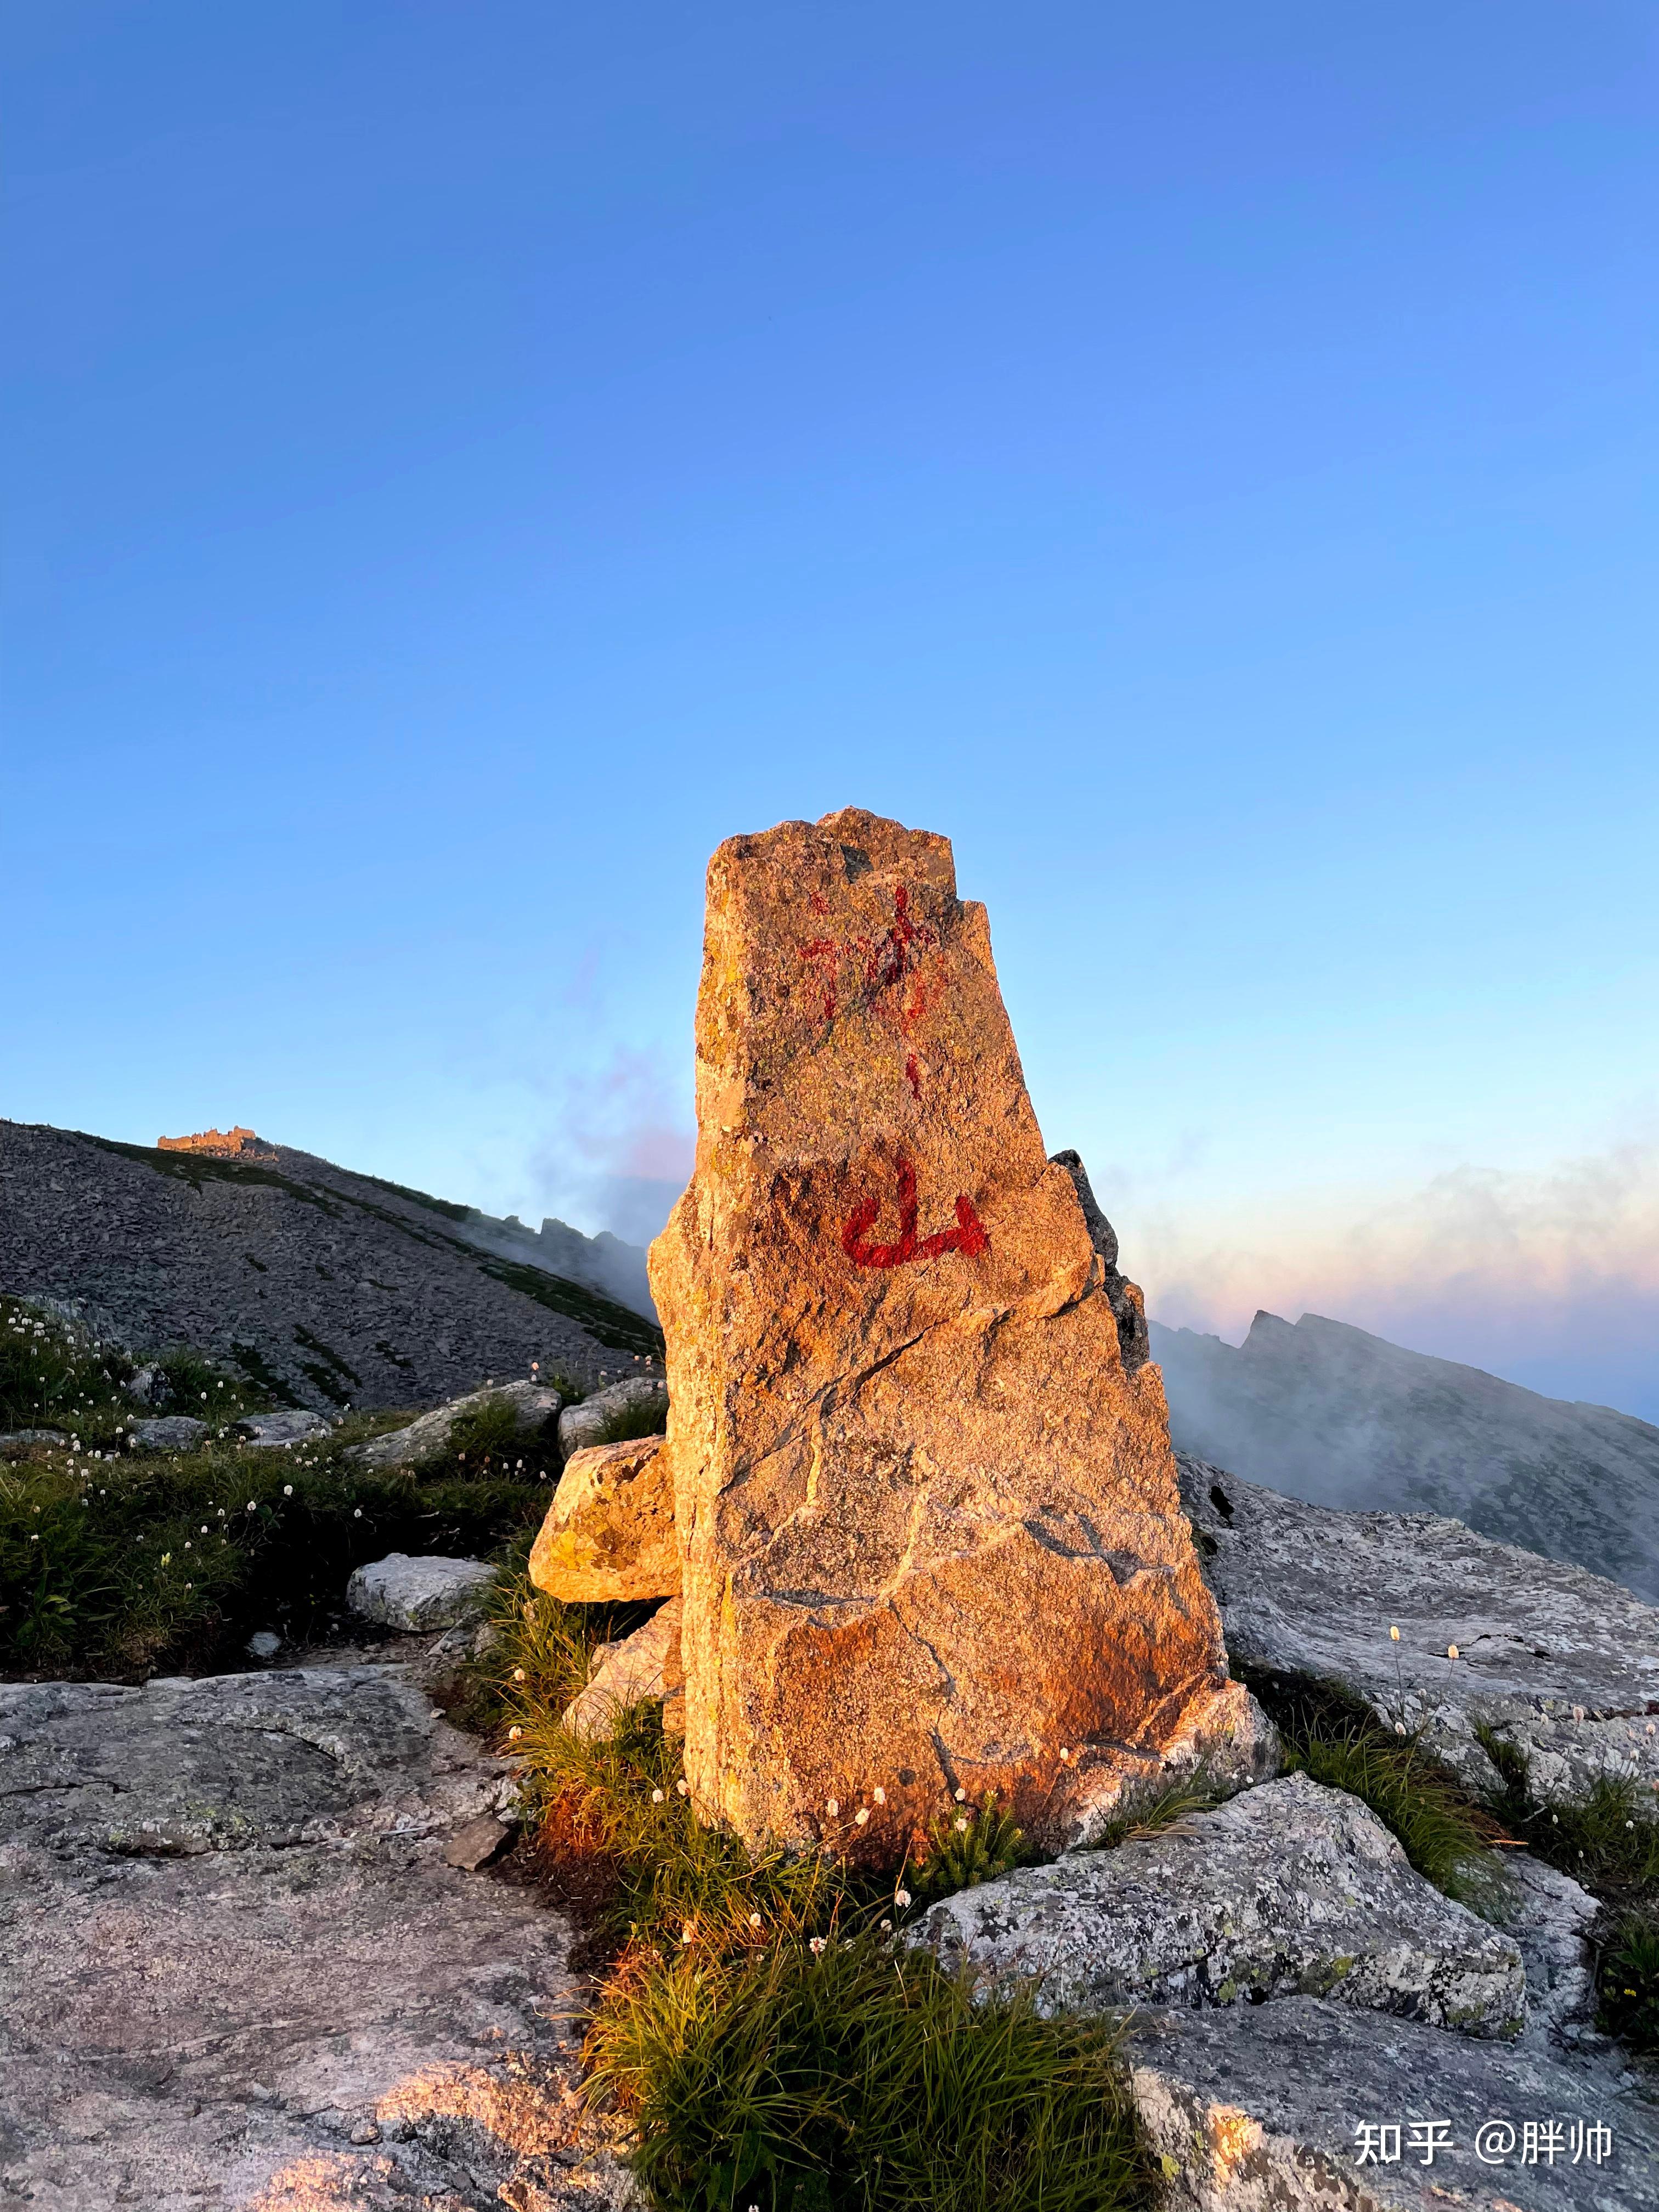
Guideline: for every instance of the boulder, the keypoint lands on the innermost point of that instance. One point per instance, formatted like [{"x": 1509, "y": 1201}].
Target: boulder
[
  {"x": 1289, "y": 1889},
  {"x": 292, "y": 1424},
  {"x": 24, "y": 1439},
  {"x": 168, "y": 1432},
  {"x": 1270, "y": 2107},
  {"x": 609, "y": 1533},
  {"x": 533, "y": 1408},
  {"x": 417, "y": 1595},
  {"x": 641, "y": 1666},
  {"x": 930, "y": 1532},
  {"x": 583, "y": 1425},
  {"x": 1562, "y": 1665}
]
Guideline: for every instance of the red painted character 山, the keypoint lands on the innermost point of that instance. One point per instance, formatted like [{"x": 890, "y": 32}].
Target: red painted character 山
[{"x": 968, "y": 1237}]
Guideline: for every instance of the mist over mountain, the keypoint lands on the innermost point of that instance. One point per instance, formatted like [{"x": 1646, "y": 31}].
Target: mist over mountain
[{"x": 1330, "y": 1413}]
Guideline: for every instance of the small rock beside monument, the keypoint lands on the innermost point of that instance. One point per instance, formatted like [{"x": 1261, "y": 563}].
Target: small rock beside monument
[{"x": 609, "y": 1534}]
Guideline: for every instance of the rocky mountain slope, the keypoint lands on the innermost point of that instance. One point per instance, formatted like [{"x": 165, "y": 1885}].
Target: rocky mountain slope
[
  {"x": 1328, "y": 1413},
  {"x": 327, "y": 1287}
]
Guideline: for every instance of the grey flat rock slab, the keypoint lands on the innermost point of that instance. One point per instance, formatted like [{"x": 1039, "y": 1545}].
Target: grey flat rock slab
[
  {"x": 236, "y": 1972},
  {"x": 293, "y": 1424},
  {"x": 19, "y": 1439},
  {"x": 1257, "y": 2111},
  {"x": 400, "y": 1591},
  {"x": 584, "y": 1425},
  {"x": 1286, "y": 1889},
  {"x": 1560, "y": 1662},
  {"x": 279, "y": 1758},
  {"x": 533, "y": 1411}
]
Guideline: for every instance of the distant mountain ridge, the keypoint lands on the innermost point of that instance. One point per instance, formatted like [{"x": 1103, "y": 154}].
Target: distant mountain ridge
[
  {"x": 326, "y": 1286},
  {"x": 1329, "y": 1413}
]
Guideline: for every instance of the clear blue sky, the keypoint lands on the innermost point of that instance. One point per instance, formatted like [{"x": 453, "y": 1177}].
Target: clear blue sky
[{"x": 464, "y": 461}]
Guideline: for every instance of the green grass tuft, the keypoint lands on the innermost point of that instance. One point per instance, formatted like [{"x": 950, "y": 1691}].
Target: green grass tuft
[
  {"x": 965, "y": 1846},
  {"x": 624, "y": 1423},
  {"x": 856, "y": 2079},
  {"x": 1629, "y": 1981},
  {"x": 1444, "y": 1831}
]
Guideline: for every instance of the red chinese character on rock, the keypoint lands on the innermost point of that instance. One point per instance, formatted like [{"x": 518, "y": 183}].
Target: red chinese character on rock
[{"x": 968, "y": 1237}]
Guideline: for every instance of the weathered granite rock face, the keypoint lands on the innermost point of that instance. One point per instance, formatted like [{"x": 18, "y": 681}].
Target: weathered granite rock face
[
  {"x": 1287, "y": 1890},
  {"x": 639, "y": 1666},
  {"x": 235, "y": 1969},
  {"x": 583, "y": 1425},
  {"x": 418, "y": 1595},
  {"x": 1259, "y": 2110},
  {"x": 1550, "y": 1918},
  {"x": 928, "y": 1519},
  {"x": 609, "y": 1533},
  {"x": 1561, "y": 1663},
  {"x": 534, "y": 1409}
]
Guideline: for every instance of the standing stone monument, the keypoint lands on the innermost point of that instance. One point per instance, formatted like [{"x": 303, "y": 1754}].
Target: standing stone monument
[{"x": 930, "y": 1535}]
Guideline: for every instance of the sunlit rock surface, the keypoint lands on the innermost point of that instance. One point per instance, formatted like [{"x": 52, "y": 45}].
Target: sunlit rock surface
[
  {"x": 926, "y": 1509},
  {"x": 607, "y": 1536},
  {"x": 644, "y": 1665}
]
